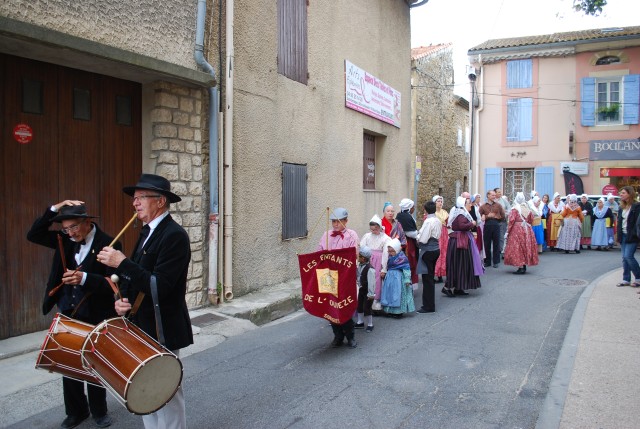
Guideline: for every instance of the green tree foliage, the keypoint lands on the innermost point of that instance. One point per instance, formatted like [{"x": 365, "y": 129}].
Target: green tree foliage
[{"x": 589, "y": 7}]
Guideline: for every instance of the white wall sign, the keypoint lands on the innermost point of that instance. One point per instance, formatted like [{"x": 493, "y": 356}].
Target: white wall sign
[
  {"x": 579, "y": 168},
  {"x": 369, "y": 95}
]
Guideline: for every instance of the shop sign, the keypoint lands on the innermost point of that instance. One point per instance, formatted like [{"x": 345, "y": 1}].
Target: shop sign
[
  {"x": 22, "y": 133},
  {"x": 614, "y": 149},
  {"x": 579, "y": 168},
  {"x": 609, "y": 189},
  {"x": 369, "y": 95}
]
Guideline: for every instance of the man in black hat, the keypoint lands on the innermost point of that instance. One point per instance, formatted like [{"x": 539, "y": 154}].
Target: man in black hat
[
  {"x": 163, "y": 252},
  {"x": 85, "y": 293}
]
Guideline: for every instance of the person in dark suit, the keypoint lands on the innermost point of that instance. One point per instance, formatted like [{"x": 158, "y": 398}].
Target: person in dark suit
[
  {"x": 163, "y": 251},
  {"x": 85, "y": 293}
]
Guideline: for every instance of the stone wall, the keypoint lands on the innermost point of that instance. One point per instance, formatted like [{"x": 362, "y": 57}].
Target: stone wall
[
  {"x": 176, "y": 120},
  {"x": 438, "y": 116}
]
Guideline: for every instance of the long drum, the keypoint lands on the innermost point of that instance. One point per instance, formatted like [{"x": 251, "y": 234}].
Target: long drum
[
  {"x": 61, "y": 350},
  {"x": 142, "y": 374}
]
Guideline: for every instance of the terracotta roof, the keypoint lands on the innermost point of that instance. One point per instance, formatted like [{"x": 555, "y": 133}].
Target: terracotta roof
[
  {"x": 423, "y": 51},
  {"x": 570, "y": 37}
]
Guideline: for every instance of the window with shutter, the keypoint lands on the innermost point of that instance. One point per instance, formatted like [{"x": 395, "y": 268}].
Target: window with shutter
[
  {"x": 292, "y": 39},
  {"x": 294, "y": 201}
]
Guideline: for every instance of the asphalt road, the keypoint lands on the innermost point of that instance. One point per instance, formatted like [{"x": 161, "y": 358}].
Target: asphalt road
[{"x": 481, "y": 361}]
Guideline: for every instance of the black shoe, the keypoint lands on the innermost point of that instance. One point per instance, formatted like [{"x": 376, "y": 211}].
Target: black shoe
[
  {"x": 438, "y": 280},
  {"x": 487, "y": 265},
  {"x": 369, "y": 329},
  {"x": 566, "y": 252},
  {"x": 519, "y": 271},
  {"x": 103, "y": 422},
  {"x": 495, "y": 265},
  {"x": 588, "y": 247},
  {"x": 447, "y": 292},
  {"x": 577, "y": 251},
  {"x": 359, "y": 326},
  {"x": 73, "y": 421},
  {"x": 524, "y": 267},
  {"x": 337, "y": 342},
  {"x": 460, "y": 292},
  {"x": 423, "y": 311},
  {"x": 352, "y": 343}
]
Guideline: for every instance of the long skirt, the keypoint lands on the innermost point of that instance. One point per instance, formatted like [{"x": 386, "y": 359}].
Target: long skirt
[
  {"x": 412, "y": 256},
  {"x": 460, "y": 272},
  {"x": 376, "y": 264},
  {"x": 397, "y": 297},
  {"x": 586, "y": 231},
  {"x": 569, "y": 238},
  {"x": 611, "y": 228},
  {"x": 441, "y": 263},
  {"x": 521, "y": 248},
  {"x": 554, "y": 222},
  {"x": 538, "y": 232},
  {"x": 599, "y": 233}
]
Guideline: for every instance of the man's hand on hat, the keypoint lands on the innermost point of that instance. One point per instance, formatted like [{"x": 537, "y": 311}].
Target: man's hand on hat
[
  {"x": 68, "y": 203},
  {"x": 111, "y": 257}
]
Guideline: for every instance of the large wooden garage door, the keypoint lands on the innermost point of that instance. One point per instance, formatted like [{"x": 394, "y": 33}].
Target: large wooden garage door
[{"x": 66, "y": 134}]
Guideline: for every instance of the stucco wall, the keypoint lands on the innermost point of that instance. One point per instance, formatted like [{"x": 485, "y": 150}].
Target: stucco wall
[
  {"x": 279, "y": 120},
  {"x": 162, "y": 30}
]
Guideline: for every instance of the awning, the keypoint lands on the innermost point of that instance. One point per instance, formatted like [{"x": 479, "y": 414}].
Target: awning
[{"x": 619, "y": 172}]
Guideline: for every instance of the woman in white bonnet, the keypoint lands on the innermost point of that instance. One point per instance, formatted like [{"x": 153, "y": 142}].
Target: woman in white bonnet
[
  {"x": 599, "y": 237},
  {"x": 569, "y": 237},
  {"x": 555, "y": 220},
  {"x": 464, "y": 264},
  {"x": 376, "y": 240},
  {"x": 521, "y": 248}
]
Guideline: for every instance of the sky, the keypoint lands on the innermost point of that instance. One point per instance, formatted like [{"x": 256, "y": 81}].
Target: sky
[{"x": 467, "y": 23}]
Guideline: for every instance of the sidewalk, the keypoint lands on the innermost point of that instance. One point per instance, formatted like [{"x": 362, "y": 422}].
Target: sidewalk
[
  {"x": 596, "y": 382},
  {"x": 21, "y": 383}
]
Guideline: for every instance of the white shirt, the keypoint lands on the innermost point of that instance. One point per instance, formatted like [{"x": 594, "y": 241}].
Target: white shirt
[
  {"x": 154, "y": 224},
  {"x": 431, "y": 228}
]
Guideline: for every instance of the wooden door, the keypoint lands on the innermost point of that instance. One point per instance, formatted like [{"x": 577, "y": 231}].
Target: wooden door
[{"x": 75, "y": 152}]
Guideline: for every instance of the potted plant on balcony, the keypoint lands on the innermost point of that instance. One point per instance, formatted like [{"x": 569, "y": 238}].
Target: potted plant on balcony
[{"x": 610, "y": 112}]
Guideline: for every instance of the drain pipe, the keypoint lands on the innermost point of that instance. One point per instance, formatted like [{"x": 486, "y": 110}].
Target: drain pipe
[
  {"x": 228, "y": 157},
  {"x": 198, "y": 55}
]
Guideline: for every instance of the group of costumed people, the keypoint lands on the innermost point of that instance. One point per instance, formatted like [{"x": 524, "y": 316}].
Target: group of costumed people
[{"x": 576, "y": 223}]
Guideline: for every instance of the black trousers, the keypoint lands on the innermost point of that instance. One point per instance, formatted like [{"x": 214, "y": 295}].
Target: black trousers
[
  {"x": 491, "y": 236},
  {"x": 344, "y": 330},
  {"x": 75, "y": 401},
  {"x": 364, "y": 304},
  {"x": 428, "y": 280}
]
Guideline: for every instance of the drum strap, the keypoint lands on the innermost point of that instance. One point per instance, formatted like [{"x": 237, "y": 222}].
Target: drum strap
[
  {"x": 136, "y": 304},
  {"x": 84, "y": 298},
  {"x": 156, "y": 309}
]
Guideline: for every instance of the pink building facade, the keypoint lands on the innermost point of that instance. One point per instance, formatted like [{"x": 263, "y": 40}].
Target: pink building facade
[{"x": 554, "y": 103}]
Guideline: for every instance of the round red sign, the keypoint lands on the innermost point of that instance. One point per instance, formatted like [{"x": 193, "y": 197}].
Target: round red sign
[
  {"x": 22, "y": 133},
  {"x": 609, "y": 189}
]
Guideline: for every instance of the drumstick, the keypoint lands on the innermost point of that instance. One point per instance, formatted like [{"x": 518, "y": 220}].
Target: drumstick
[
  {"x": 135, "y": 215},
  {"x": 55, "y": 289},
  {"x": 61, "y": 248}
]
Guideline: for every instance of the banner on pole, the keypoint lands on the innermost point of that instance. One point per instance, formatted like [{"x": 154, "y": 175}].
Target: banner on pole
[{"x": 329, "y": 283}]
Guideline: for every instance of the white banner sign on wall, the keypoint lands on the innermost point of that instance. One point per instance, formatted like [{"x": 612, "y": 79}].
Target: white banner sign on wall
[{"x": 369, "y": 95}]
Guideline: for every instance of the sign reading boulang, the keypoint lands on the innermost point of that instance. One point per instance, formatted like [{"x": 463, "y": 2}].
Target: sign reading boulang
[{"x": 329, "y": 283}]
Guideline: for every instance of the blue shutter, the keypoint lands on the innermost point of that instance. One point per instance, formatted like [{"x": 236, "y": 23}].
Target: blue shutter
[
  {"x": 492, "y": 178},
  {"x": 631, "y": 85},
  {"x": 588, "y": 102},
  {"x": 544, "y": 180},
  {"x": 526, "y": 120}
]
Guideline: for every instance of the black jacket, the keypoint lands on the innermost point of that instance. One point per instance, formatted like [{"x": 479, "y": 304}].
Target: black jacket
[
  {"x": 632, "y": 224},
  {"x": 166, "y": 255},
  {"x": 99, "y": 305}
]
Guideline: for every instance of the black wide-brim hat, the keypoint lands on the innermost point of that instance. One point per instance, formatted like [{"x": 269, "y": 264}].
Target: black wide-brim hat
[
  {"x": 153, "y": 182},
  {"x": 72, "y": 212}
]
